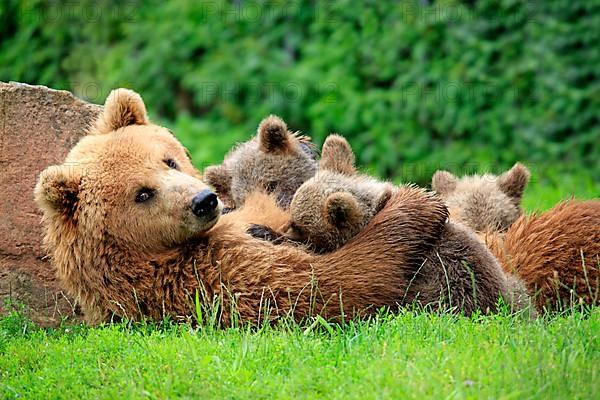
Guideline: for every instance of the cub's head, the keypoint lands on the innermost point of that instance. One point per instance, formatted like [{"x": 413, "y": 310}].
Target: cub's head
[
  {"x": 484, "y": 203},
  {"x": 128, "y": 183},
  {"x": 275, "y": 160},
  {"x": 333, "y": 206}
]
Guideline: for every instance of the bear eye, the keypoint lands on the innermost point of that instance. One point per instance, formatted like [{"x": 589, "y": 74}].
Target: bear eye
[
  {"x": 294, "y": 232},
  {"x": 295, "y": 228},
  {"x": 270, "y": 186},
  {"x": 143, "y": 195},
  {"x": 171, "y": 163}
]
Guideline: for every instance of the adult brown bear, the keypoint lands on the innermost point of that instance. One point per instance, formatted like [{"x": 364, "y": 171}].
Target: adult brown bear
[{"x": 133, "y": 231}]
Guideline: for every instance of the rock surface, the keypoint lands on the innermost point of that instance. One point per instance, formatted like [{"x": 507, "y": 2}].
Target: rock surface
[{"x": 38, "y": 126}]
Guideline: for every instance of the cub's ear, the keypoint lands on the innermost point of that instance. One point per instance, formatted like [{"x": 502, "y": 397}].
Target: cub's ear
[
  {"x": 443, "y": 182},
  {"x": 57, "y": 189},
  {"x": 337, "y": 155},
  {"x": 342, "y": 210},
  {"x": 513, "y": 181},
  {"x": 273, "y": 135},
  {"x": 383, "y": 198},
  {"x": 218, "y": 177},
  {"x": 123, "y": 107}
]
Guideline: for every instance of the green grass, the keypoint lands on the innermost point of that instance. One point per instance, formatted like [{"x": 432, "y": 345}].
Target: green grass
[
  {"x": 549, "y": 186},
  {"x": 411, "y": 355}
]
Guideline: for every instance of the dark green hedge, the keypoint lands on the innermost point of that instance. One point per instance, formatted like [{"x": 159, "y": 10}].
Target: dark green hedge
[{"x": 415, "y": 85}]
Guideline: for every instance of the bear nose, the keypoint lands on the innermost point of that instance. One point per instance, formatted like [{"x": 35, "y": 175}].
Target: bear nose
[{"x": 204, "y": 202}]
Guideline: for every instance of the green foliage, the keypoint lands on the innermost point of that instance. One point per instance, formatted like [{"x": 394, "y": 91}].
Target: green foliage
[
  {"x": 414, "y": 85},
  {"x": 409, "y": 355}
]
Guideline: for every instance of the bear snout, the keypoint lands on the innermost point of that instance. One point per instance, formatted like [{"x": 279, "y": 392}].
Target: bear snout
[{"x": 204, "y": 203}]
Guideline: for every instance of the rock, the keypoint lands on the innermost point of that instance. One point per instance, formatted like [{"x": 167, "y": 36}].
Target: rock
[{"x": 38, "y": 126}]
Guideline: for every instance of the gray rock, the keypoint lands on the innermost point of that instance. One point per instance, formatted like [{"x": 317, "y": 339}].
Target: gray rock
[{"x": 38, "y": 126}]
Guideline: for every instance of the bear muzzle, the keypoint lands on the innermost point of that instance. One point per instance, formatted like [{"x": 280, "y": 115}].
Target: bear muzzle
[{"x": 204, "y": 204}]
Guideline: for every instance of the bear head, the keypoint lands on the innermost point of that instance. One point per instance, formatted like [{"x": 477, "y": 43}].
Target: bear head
[
  {"x": 128, "y": 183},
  {"x": 484, "y": 203},
  {"x": 276, "y": 161},
  {"x": 334, "y": 205}
]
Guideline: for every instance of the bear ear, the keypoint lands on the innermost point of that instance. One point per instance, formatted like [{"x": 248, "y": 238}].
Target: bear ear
[
  {"x": 337, "y": 155},
  {"x": 383, "y": 198},
  {"x": 443, "y": 182},
  {"x": 123, "y": 107},
  {"x": 57, "y": 189},
  {"x": 273, "y": 136},
  {"x": 342, "y": 209},
  {"x": 513, "y": 181},
  {"x": 218, "y": 177}
]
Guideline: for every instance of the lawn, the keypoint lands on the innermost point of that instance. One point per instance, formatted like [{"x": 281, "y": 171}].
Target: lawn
[{"x": 410, "y": 355}]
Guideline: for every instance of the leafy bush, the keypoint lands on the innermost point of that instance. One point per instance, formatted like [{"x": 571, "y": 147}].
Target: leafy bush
[{"x": 414, "y": 85}]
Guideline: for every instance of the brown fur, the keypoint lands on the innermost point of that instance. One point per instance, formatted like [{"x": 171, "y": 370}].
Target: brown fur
[
  {"x": 557, "y": 253},
  {"x": 131, "y": 259},
  {"x": 458, "y": 272},
  {"x": 275, "y": 160},
  {"x": 484, "y": 203}
]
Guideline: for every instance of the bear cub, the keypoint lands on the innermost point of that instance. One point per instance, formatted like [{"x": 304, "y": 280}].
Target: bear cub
[
  {"x": 337, "y": 203},
  {"x": 276, "y": 161},
  {"x": 485, "y": 203}
]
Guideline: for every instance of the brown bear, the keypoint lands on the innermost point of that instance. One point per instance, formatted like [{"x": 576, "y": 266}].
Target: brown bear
[
  {"x": 484, "y": 203},
  {"x": 134, "y": 232},
  {"x": 556, "y": 253},
  {"x": 329, "y": 209},
  {"x": 275, "y": 160}
]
